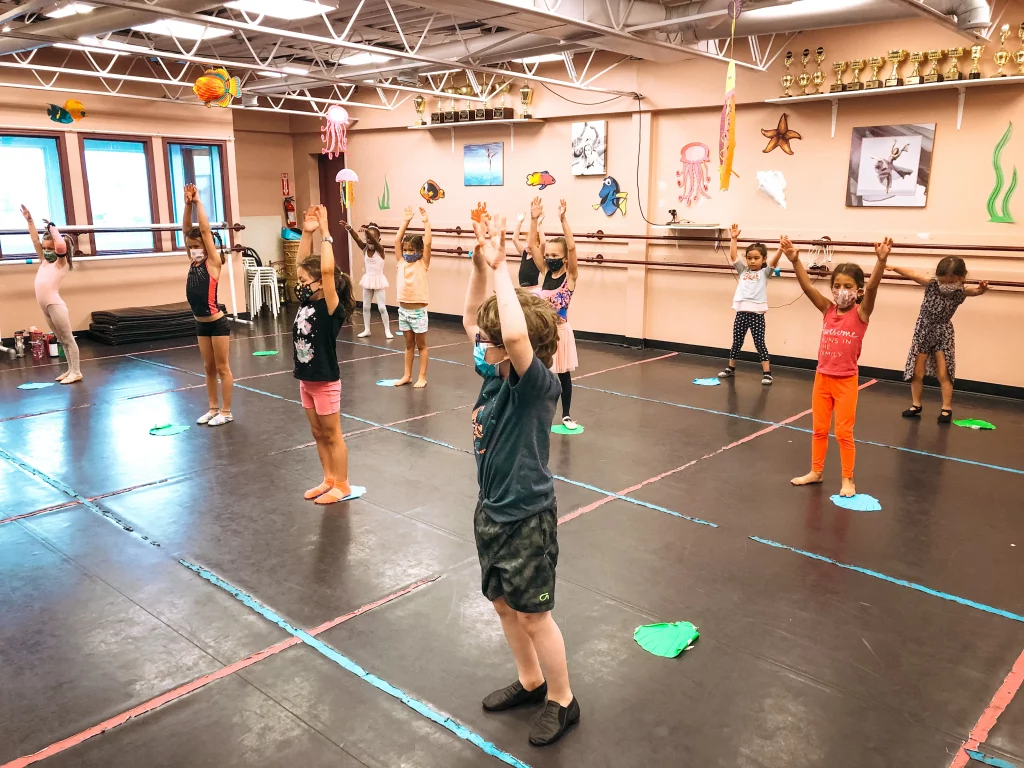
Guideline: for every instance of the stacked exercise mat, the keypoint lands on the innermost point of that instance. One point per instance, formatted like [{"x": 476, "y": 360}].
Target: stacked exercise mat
[{"x": 138, "y": 324}]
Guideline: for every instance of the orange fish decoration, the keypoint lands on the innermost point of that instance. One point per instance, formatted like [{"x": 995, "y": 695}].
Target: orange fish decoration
[
  {"x": 479, "y": 213},
  {"x": 216, "y": 88}
]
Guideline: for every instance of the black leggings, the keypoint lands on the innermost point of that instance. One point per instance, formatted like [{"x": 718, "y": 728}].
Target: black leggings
[
  {"x": 565, "y": 379},
  {"x": 754, "y": 322}
]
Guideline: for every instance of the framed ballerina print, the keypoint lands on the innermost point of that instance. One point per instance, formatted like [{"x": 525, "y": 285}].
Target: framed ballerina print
[{"x": 890, "y": 165}]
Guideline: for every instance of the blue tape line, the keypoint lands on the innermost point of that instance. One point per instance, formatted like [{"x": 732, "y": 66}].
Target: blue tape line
[
  {"x": 631, "y": 500},
  {"x": 981, "y": 757},
  {"x": 891, "y": 580},
  {"x": 680, "y": 405},
  {"x": 165, "y": 365},
  {"x": 347, "y": 664},
  {"x": 67, "y": 490}
]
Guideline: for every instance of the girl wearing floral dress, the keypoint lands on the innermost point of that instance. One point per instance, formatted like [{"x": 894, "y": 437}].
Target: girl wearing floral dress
[{"x": 932, "y": 350}]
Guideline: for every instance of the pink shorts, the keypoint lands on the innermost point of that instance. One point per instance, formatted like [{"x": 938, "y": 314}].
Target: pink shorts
[{"x": 324, "y": 396}]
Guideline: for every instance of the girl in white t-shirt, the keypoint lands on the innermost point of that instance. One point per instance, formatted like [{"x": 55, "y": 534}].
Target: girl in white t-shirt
[{"x": 750, "y": 301}]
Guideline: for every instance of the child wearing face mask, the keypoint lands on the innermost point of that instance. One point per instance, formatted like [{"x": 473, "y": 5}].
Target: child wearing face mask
[
  {"x": 750, "y": 301},
  {"x": 56, "y": 259},
  {"x": 325, "y": 303},
  {"x": 212, "y": 327},
  {"x": 515, "y": 335},
  {"x": 556, "y": 262},
  {"x": 845, "y": 322},
  {"x": 932, "y": 350},
  {"x": 373, "y": 282},
  {"x": 529, "y": 275},
  {"x": 413, "y": 295}
]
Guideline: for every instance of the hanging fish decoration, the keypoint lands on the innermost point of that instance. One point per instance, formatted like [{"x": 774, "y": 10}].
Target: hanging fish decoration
[
  {"x": 71, "y": 111},
  {"x": 611, "y": 198},
  {"x": 216, "y": 88}
]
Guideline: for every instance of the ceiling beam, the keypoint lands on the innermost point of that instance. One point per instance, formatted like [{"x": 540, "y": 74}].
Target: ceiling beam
[{"x": 919, "y": 7}]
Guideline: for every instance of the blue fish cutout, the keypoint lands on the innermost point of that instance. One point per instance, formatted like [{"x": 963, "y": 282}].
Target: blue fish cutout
[
  {"x": 611, "y": 198},
  {"x": 58, "y": 114}
]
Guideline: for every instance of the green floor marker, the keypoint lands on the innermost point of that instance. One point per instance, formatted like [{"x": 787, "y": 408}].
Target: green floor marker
[
  {"x": 264, "y": 353},
  {"x": 666, "y": 640},
  {"x": 561, "y": 429},
  {"x": 166, "y": 430},
  {"x": 974, "y": 423}
]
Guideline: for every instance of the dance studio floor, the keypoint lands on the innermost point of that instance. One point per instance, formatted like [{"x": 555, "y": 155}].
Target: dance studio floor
[{"x": 173, "y": 601}]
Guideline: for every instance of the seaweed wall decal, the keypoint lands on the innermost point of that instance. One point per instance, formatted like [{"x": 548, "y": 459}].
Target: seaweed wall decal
[
  {"x": 1003, "y": 217},
  {"x": 384, "y": 201}
]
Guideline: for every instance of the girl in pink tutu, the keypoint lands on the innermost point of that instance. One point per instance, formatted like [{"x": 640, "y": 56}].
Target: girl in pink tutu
[
  {"x": 373, "y": 281},
  {"x": 556, "y": 260}
]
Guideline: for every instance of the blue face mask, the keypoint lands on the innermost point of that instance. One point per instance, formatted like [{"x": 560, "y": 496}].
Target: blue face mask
[
  {"x": 411, "y": 257},
  {"x": 485, "y": 369}
]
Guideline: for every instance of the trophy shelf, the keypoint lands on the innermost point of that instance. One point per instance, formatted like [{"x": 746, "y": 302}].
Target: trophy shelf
[
  {"x": 960, "y": 86},
  {"x": 479, "y": 124}
]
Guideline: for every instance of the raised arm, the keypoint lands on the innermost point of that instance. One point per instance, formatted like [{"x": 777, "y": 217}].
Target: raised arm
[
  {"x": 812, "y": 293},
  {"x": 734, "y": 251},
  {"x": 400, "y": 234},
  {"x": 310, "y": 225},
  {"x": 204, "y": 228},
  {"x": 33, "y": 232},
  {"x": 572, "y": 267},
  {"x": 514, "y": 333},
  {"x": 476, "y": 293},
  {"x": 977, "y": 290},
  {"x": 186, "y": 212},
  {"x": 918, "y": 277},
  {"x": 517, "y": 241},
  {"x": 867, "y": 304},
  {"x": 352, "y": 233},
  {"x": 773, "y": 262},
  {"x": 327, "y": 267},
  {"x": 533, "y": 241},
  {"x": 428, "y": 238}
]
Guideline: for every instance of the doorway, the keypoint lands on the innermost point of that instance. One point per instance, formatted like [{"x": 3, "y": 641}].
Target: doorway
[{"x": 330, "y": 196}]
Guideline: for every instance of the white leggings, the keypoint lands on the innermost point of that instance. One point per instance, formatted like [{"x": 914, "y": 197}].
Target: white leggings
[
  {"x": 60, "y": 323},
  {"x": 369, "y": 298}
]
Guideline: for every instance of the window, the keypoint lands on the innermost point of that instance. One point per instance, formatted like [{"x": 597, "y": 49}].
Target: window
[
  {"x": 31, "y": 177},
  {"x": 198, "y": 164},
  {"x": 117, "y": 180}
]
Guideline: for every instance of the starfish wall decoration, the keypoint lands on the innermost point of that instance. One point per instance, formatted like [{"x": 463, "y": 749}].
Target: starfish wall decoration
[{"x": 780, "y": 136}]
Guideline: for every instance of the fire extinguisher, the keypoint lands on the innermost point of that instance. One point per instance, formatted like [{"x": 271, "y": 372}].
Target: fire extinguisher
[{"x": 289, "y": 213}]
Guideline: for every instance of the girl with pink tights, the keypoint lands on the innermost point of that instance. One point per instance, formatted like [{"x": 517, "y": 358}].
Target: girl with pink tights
[{"x": 56, "y": 254}]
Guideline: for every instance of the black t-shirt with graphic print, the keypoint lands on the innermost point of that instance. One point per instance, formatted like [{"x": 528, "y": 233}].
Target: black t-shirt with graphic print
[
  {"x": 511, "y": 440},
  {"x": 314, "y": 340}
]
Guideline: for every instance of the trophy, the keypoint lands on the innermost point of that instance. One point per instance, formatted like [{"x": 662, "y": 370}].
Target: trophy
[
  {"x": 501, "y": 112},
  {"x": 954, "y": 72},
  {"x": 839, "y": 86},
  {"x": 804, "y": 78},
  {"x": 934, "y": 76},
  {"x": 1018, "y": 56},
  {"x": 482, "y": 110},
  {"x": 466, "y": 114},
  {"x": 1002, "y": 56},
  {"x": 855, "y": 84},
  {"x": 915, "y": 77},
  {"x": 976, "y": 51},
  {"x": 788, "y": 79},
  {"x": 525, "y": 98},
  {"x": 421, "y": 106},
  {"x": 895, "y": 58},
  {"x": 876, "y": 63},
  {"x": 437, "y": 116},
  {"x": 818, "y": 77},
  {"x": 450, "y": 115}
]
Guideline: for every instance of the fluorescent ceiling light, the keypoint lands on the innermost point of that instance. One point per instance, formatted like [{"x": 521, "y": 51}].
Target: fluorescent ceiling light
[
  {"x": 281, "y": 9},
  {"x": 360, "y": 59},
  {"x": 272, "y": 74},
  {"x": 544, "y": 57},
  {"x": 804, "y": 7},
  {"x": 185, "y": 30},
  {"x": 113, "y": 45},
  {"x": 70, "y": 9},
  {"x": 295, "y": 69}
]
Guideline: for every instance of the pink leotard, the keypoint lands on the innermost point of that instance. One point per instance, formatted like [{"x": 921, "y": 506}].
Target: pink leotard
[{"x": 48, "y": 280}]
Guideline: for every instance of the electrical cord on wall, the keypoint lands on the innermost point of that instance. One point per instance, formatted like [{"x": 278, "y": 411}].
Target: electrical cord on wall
[{"x": 582, "y": 103}]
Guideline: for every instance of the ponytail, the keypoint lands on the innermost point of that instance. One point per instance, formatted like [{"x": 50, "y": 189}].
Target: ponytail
[{"x": 342, "y": 284}]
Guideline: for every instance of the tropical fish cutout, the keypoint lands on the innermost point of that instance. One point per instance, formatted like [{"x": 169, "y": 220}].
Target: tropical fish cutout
[
  {"x": 540, "y": 179},
  {"x": 727, "y": 136},
  {"x": 216, "y": 88},
  {"x": 611, "y": 198},
  {"x": 72, "y": 111},
  {"x": 431, "y": 191}
]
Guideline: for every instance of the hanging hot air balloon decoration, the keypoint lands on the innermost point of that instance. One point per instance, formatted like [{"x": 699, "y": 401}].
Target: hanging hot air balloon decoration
[
  {"x": 346, "y": 177},
  {"x": 333, "y": 132},
  {"x": 216, "y": 88}
]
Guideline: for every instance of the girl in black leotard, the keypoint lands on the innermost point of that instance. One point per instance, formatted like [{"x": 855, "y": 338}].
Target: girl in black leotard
[
  {"x": 212, "y": 328},
  {"x": 529, "y": 274}
]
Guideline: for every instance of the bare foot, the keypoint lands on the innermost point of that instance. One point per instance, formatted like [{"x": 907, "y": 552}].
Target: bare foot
[
  {"x": 808, "y": 479},
  {"x": 71, "y": 378},
  {"x": 403, "y": 381},
  {"x": 848, "y": 489},
  {"x": 420, "y": 384}
]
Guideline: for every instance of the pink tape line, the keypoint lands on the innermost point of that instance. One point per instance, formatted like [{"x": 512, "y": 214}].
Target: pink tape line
[{"x": 979, "y": 733}]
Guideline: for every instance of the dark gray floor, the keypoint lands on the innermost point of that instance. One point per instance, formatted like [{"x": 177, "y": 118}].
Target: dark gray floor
[{"x": 801, "y": 662}]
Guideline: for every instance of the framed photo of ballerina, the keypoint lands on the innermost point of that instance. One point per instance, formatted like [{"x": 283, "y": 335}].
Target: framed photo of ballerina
[
  {"x": 890, "y": 165},
  {"x": 589, "y": 148}
]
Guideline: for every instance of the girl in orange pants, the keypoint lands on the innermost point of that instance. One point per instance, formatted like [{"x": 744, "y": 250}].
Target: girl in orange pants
[{"x": 844, "y": 324}]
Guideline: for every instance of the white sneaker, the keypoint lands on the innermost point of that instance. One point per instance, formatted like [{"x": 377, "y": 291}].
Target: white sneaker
[
  {"x": 206, "y": 417},
  {"x": 221, "y": 418},
  {"x": 364, "y": 334},
  {"x": 568, "y": 423}
]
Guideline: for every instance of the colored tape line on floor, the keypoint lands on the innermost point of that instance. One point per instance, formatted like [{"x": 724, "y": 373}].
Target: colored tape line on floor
[
  {"x": 981, "y": 757},
  {"x": 347, "y": 664}
]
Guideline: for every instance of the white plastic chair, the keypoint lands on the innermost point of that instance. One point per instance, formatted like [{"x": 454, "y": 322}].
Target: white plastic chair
[{"x": 263, "y": 290}]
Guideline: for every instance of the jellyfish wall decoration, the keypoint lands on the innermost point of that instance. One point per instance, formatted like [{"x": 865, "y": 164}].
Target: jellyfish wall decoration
[
  {"x": 333, "y": 132},
  {"x": 345, "y": 177},
  {"x": 693, "y": 180}
]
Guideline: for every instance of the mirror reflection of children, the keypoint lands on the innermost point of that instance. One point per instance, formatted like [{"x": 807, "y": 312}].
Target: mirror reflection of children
[
  {"x": 56, "y": 259},
  {"x": 932, "y": 350},
  {"x": 515, "y": 525},
  {"x": 373, "y": 282},
  {"x": 836, "y": 382},
  {"x": 750, "y": 301},
  {"x": 413, "y": 295}
]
